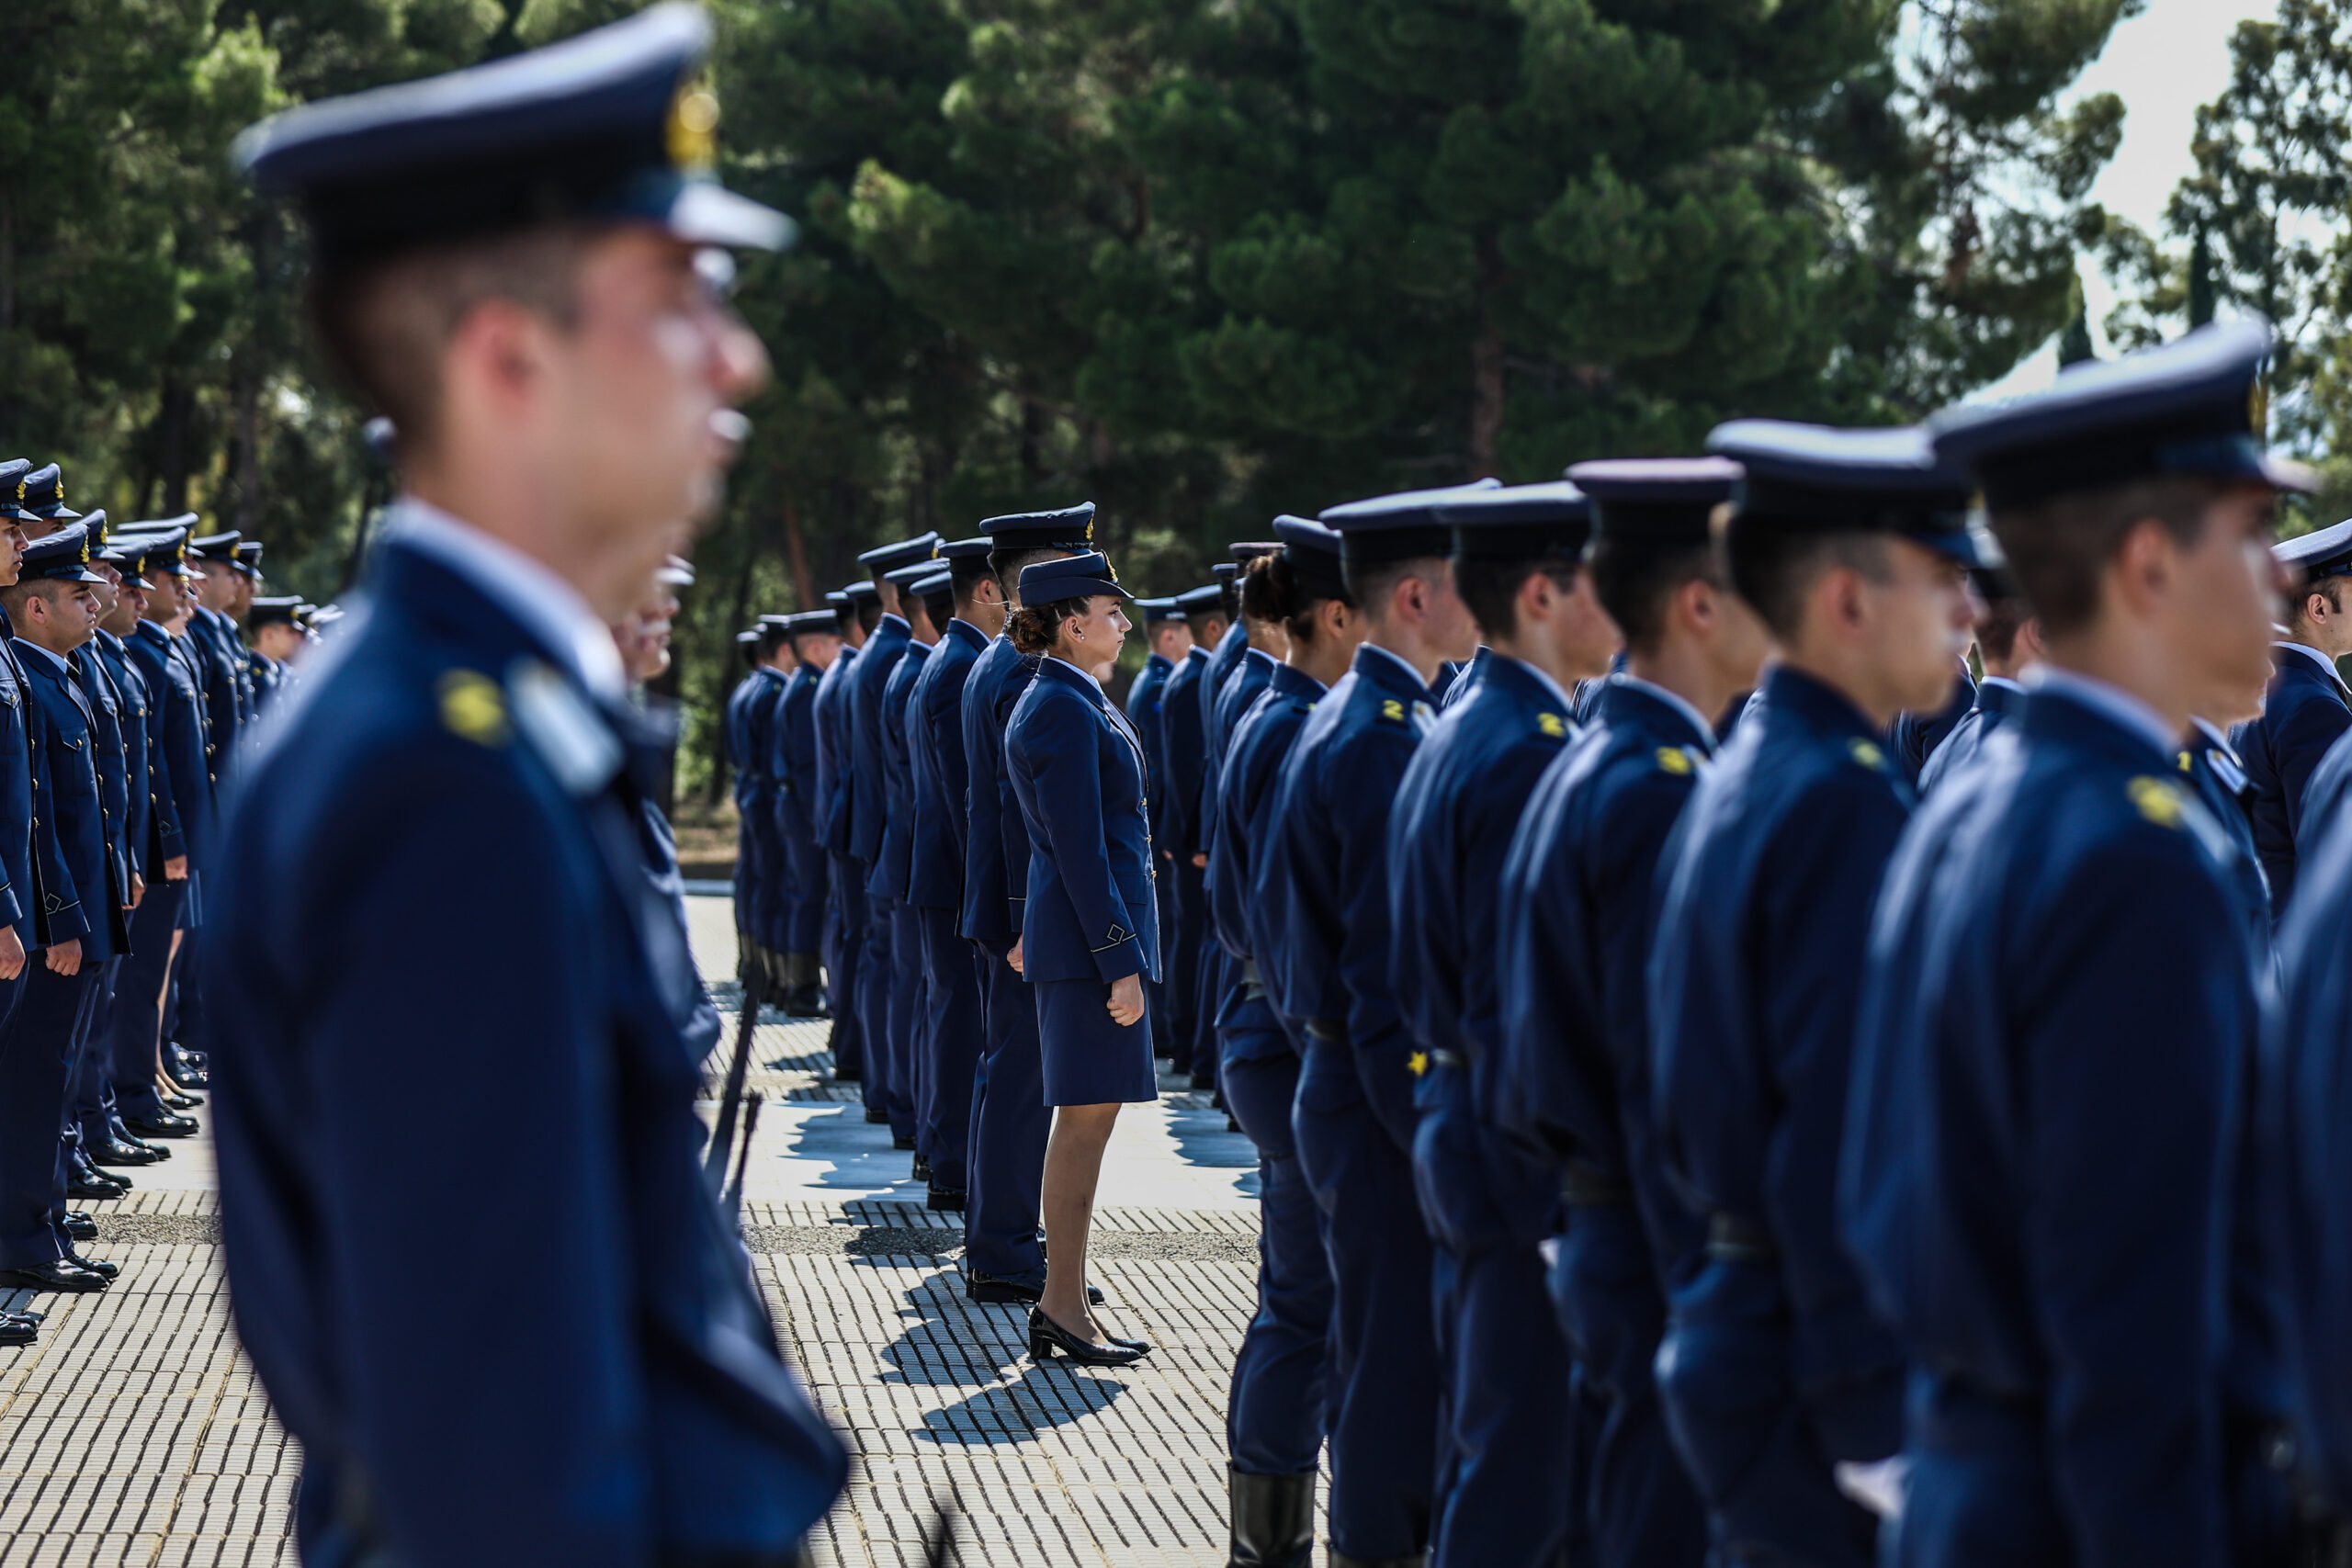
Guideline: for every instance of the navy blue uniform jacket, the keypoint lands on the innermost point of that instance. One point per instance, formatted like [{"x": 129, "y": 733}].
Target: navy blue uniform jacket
[
  {"x": 2060, "y": 1004},
  {"x": 1914, "y": 737},
  {"x": 82, "y": 890},
  {"x": 996, "y": 844},
  {"x": 795, "y": 766},
  {"x": 868, "y": 803},
  {"x": 1572, "y": 1073},
  {"x": 888, "y": 876},
  {"x": 1226, "y": 665},
  {"x": 2303, "y": 714},
  {"x": 935, "y": 759},
  {"x": 1323, "y": 880},
  {"x": 183, "y": 782},
  {"x": 624, "y": 1398},
  {"x": 1997, "y": 702},
  {"x": 1142, "y": 712},
  {"x": 832, "y": 710},
  {"x": 143, "y": 833},
  {"x": 1253, "y": 761},
  {"x": 1077, "y": 770},
  {"x": 1185, "y": 757},
  {"x": 1753, "y": 981}
]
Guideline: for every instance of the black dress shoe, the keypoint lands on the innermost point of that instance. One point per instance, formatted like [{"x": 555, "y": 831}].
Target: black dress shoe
[
  {"x": 186, "y": 1078},
  {"x": 948, "y": 1199},
  {"x": 875, "y": 1116},
  {"x": 990, "y": 1292},
  {"x": 1203, "y": 1080},
  {"x": 921, "y": 1171},
  {"x": 1046, "y": 1336},
  {"x": 78, "y": 1226},
  {"x": 899, "y": 1141},
  {"x": 58, "y": 1276},
  {"x": 176, "y": 1101},
  {"x": 98, "y": 1266},
  {"x": 168, "y": 1124},
  {"x": 93, "y": 1186},
  {"x": 850, "y": 1074},
  {"x": 114, "y": 1151},
  {"x": 16, "y": 1330}
]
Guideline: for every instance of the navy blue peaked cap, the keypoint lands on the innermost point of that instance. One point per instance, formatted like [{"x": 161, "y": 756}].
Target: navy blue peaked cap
[
  {"x": 1312, "y": 552},
  {"x": 62, "y": 557},
  {"x": 1515, "y": 521},
  {"x": 266, "y": 611},
  {"x": 1224, "y": 571},
  {"x": 934, "y": 582},
  {"x": 1403, "y": 526},
  {"x": 220, "y": 547},
  {"x": 913, "y": 573},
  {"x": 808, "y": 621},
  {"x": 2194, "y": 408},
  {"x": 1072, "y": 577},
  {"x": 12, "y": 486},
  {"x": 1659, "y": 500},
  {"x": 2324, "y": 552},
  {"x": 859, "y": 593},
  {"x": 42, "y": 494},
  {"x": 1207, "y": 599},
  {"x": 616, "y": 125},
  {"x": 1071, "y": 528},
  {"x": 885, "y": 558},
  {"x": 156, "y": 548},
  {"x": 1247, "y": 550},
  {"x": 1818, "y": 477},
  {"x": 1156, "y": 609},
  {"x": 967, "y": 549}
]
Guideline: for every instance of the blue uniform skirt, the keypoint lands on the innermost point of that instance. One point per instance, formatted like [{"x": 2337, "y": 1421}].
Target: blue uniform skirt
[{"x": 1089, "y": 1060}]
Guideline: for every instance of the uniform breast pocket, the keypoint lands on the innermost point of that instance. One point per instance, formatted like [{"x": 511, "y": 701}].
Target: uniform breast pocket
[{"x": 71, "y": 742}]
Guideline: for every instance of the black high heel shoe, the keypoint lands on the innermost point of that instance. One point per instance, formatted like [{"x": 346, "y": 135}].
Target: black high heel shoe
[{"x": 1045, "y": 1337}]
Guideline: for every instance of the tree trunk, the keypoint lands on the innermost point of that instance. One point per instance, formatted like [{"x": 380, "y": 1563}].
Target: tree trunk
[
  {"x": 795, "y": 549},
  {"x": 1485, "y": 399},
  {"x": 172, "y": 414},
  {"x": 247, "y": 466}
]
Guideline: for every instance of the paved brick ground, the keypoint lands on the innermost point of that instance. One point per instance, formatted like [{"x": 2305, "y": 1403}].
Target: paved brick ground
[{"x": 134, "y": 1432}]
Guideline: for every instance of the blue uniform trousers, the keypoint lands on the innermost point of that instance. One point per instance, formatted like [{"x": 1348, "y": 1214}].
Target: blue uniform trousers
[
  {"x": 1745, "y": 1431},
  {"x": 132, "y": 1020},
  {"x": 35, "y": 1049},
  {"x": 950, "y": 1040},
  {"x": 1275, "y": 1415},
  {"x": 1640, "y": 1507},
  {"x": 1010, "y": 1124},
  {"x": 1506, "y": 1438},
  {"x": 805, "y": 914},
  {"x": 907, "y": 1000},
  {"x": 842, "y": 966},
  {"x": 1220, "y": 976},
  {"x": 1384, "y": 1348},
  {"x": 89, "y": 1107},
  {"x": 1192, "y": 1031},
  {"x": 873, "y": 1002}
]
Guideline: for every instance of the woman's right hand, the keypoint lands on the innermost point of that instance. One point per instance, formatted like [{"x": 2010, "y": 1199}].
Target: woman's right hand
[
  {"x": 1127, "y": 1001},
  {"x": 1014, "y": 958}
]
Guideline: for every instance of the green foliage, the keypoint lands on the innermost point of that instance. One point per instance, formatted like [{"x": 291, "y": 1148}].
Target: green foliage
[{"x": 1201, "y": 261}]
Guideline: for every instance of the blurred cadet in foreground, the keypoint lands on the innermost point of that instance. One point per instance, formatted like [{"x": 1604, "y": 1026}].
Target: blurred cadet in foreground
[{"x": 505, "y": 266}]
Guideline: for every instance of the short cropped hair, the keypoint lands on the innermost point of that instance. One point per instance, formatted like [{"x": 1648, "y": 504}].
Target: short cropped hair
[
  {"x": 1774, "y": 567},
  {"x": 2058, "y": 548},
  {"x": 1635, "y": 579},
  {"x": 383, "y": 324},
  {"x": 1489, "y": 589},
  {"x": 1997, "y": 633}
]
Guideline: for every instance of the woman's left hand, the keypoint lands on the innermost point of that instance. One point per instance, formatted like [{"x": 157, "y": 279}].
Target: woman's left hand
[{"x": 1127, "y": 1001}]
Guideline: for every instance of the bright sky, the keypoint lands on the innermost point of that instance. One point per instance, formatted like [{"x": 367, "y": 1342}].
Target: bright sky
[{"x": 2165, "y": 62}]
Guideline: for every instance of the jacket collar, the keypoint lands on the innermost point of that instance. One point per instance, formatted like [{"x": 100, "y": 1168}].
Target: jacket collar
[
  {"x": 1378, "y": 666},
  {"x": 1655, "y": 712},
  {"x": 1292, "y": 681},
  {"x": 1818, "y": 705},
  {"x": 968, "y": 634}
]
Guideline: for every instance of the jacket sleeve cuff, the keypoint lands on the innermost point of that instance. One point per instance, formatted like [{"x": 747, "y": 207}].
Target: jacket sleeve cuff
[{"x": 1118, "y": 960}]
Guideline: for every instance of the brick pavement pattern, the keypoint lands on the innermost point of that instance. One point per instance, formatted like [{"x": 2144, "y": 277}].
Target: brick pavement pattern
[{"x": 134, "y": 1432}]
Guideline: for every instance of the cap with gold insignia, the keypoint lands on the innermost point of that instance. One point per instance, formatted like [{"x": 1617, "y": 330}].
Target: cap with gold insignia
[
  {"x": 282, "y": 609},
  {"x": 221, "y": 549},
  {"x": 42, "y": 494},
  {"x": 62, "y": 557},
  {"x": 1154, "y": 611},
  {"x": 617, "y": 125},
  {"x": 12, "y": 486},
  {"x": 1817, "y": 477},
  {"x": 2193, "y": 407},
  {"x": 249, "y": 556}
]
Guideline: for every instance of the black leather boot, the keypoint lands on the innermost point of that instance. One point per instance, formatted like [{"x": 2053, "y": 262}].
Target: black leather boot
[
  {"x": 1273, "y": 1520},
  {"x": 1342, "y": 1560}
]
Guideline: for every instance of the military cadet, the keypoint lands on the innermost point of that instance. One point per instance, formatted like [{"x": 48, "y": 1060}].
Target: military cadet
[
  {"x": 1282, "y": 1374},
  {"x": 2008, "y": 641},
  {"x": 556, "y": 376},
  {"x": 862, "y": 760},
  {"x": 956, "y": 1031},
  {"x": 1571, "y": 1076},
  {"x": 182, "y": 787},
  {"x": 2307, "y": 709},
  {"x": 276, "y": 638},
  {"x": 1002, "y": 1261},
  {"x": 1089, "y": 924},
  {"x": 132, "y": 1088},
  {"x": 734, "y": 747},
  {"x": 1226, "y": 688},
  {"x": 40, "y": 502},
  {"x": 900, "y": 999},
  {"x": 757, "y": 791},
  {"x": 1323, "y": 889},
  {"x": 1852, "y": 546},
  {"x": 2061, "y": 1008},
  {"x": 25, "y": 1142},
  {"x": 1175, "y": 828},
  {"x": 1168, "y": 637},
  {"x": 214, "y": 609},
  {"x": 84, "y": 893},
  {"x": 816, "y": 641},
  {"x": 846, "y": 907},
  {"x": 1505, "y": 1447}
]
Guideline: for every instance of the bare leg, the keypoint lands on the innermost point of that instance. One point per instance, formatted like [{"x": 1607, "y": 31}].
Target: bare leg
[{"x": 1073, "y": 1164}]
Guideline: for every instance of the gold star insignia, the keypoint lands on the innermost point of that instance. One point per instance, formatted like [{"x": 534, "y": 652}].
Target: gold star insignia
[
  {"x": 1673, "y": 759},
  {"x": 1418, "y": 1062},
  {"x": 473, "y": 707},
  {"x": 2158, "y": 800}
]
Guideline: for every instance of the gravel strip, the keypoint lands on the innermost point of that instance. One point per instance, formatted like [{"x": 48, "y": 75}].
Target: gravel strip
[{"x": 156, "y": 1230}]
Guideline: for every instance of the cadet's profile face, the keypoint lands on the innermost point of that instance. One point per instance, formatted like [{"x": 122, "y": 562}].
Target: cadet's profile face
[
  {"x": 2232, "y": 589},
  {"x": 129, "y": 604},
  {"x": 1170, "y": 639},
  {"x": 12, "y": 557},
  {"x": 640, "y": 392},
  {"x": 1446, "y": 623},
  {"x": 105, "y": 592},
  {"x": 818, "y": 650},
  {"x": 1925, "y": 618},
  {"x": 1093, "y": 639}
]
